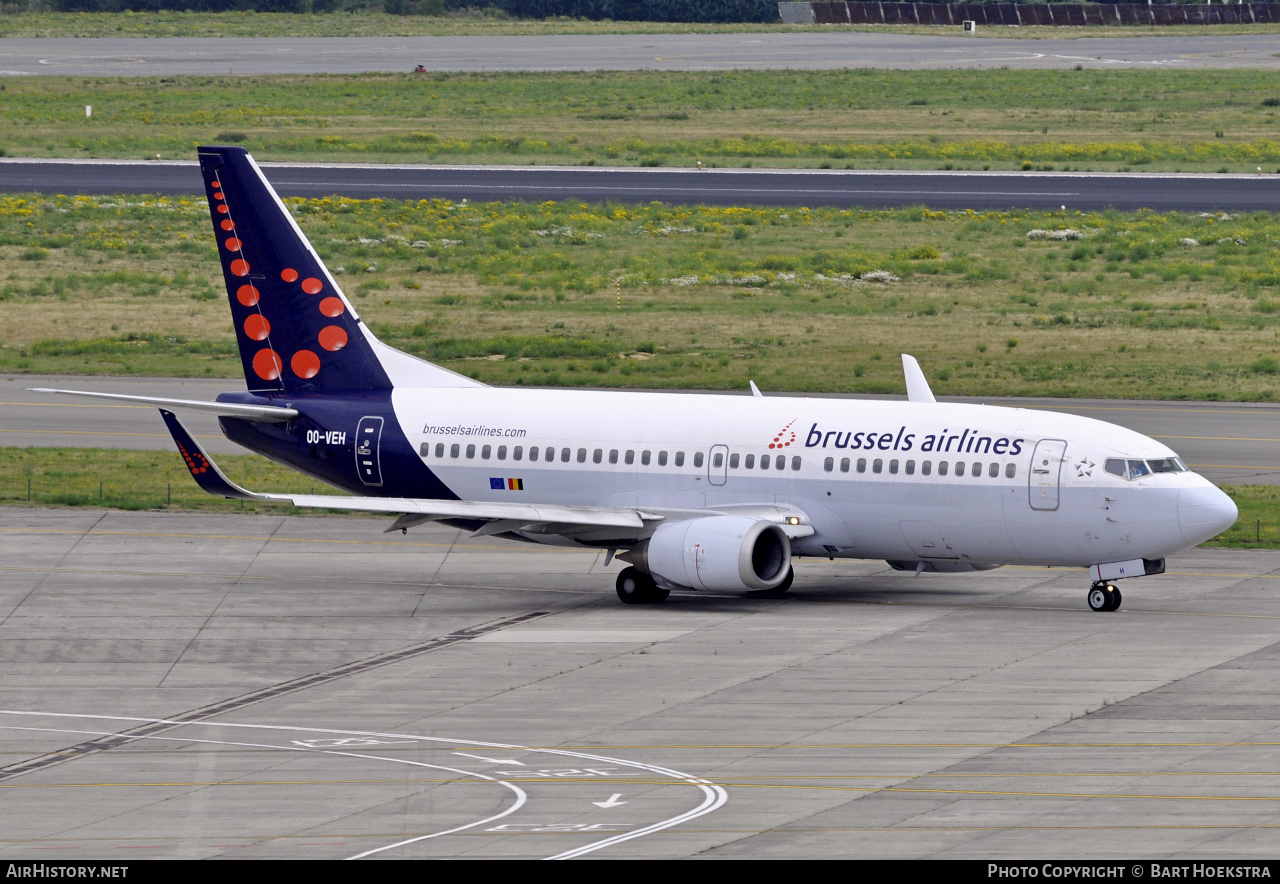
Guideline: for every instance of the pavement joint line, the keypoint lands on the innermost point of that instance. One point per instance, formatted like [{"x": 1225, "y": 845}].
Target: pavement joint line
[
  {"x": 795, "y": 598},
  {"x": 634, "y": 781},
  {"x": 688, "y": 830},
  {"x": 232, "y": 704}
]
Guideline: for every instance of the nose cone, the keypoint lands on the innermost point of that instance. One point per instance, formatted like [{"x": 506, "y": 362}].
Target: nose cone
[{"x": 1204, "y": 512}]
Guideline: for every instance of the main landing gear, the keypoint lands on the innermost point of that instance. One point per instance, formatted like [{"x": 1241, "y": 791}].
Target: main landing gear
[
  {"x": 637, "y": 588},
  {"x": 1102, "y": 597}
]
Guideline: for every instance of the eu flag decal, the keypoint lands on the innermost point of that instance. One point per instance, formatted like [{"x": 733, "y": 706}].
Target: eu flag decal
[{"x": 496, "y": 484}]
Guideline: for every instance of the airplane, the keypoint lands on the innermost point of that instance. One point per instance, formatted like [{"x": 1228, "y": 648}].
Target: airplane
[{"x": 692, "y": 491}]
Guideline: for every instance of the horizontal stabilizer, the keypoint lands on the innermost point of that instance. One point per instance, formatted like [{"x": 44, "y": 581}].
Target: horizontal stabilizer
[{"x": 263, "y": 413}]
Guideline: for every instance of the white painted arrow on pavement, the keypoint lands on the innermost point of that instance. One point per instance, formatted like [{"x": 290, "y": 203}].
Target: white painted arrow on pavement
[
  {"x": 494, "y": 760},
  {"x": 612, "y": 802}
]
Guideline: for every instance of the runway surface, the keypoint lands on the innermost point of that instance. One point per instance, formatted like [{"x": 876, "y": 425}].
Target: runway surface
[
  {"x": 1236, "y": 443},
  {"x": 166, "y": 56},
  {"x": 262, "y": 686},
  {"x": 736, "y": 187}
]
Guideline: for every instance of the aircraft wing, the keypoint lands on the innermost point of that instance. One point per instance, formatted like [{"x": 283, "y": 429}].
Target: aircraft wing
[{"x": 500, "y": 516}]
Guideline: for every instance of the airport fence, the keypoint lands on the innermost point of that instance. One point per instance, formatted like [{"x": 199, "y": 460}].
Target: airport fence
[{"x": 1062, "y": 14}]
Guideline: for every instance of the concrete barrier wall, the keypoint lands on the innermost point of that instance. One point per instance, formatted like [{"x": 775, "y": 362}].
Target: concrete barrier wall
[{"x": 860, "y": 12}]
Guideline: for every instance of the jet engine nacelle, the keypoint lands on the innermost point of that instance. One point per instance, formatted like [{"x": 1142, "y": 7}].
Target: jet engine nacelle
[{"x": 732, "y": 553}]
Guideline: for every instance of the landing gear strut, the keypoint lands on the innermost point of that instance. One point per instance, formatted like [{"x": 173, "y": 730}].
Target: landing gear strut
[
  {"x": 1104, "y": 597},
  {"x": 637, "y": 588}
]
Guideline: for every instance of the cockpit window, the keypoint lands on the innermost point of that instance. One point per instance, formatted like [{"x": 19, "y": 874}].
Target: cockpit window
[{"x": 1136, "y": 469}]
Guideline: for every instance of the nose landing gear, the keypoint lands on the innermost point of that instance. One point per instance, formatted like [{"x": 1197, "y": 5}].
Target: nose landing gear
[{"x": 1104, "y": 597}]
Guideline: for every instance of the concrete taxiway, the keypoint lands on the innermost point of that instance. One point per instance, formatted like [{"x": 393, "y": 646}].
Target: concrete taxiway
[
  {"x": 264, "y": 686},
  {"x": 828, "y": 49}
]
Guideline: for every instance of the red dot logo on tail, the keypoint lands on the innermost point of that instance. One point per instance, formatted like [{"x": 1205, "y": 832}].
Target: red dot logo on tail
[{"x": 267, "y": 364}]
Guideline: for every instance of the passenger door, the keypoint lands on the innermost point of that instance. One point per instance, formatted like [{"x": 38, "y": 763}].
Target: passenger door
[
  {"x": 368, "y": 456},
  {"x": 1046, "y": 474}
]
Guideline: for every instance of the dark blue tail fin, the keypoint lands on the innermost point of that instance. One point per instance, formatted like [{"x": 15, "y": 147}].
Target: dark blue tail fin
[{"x": 296, "y": 329}]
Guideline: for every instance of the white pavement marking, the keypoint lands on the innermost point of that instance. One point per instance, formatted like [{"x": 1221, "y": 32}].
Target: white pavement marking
[
  {"x": 521, "y": 796},
  {"x": 492, "y": 760},
  {"x": 714, "y": 796}
]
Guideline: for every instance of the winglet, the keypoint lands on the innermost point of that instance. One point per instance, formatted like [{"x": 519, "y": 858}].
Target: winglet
[
  {"x": 203, "y": 470},
  {"x": 917, "y": 387},
  {"x": 755, "y": 391}
]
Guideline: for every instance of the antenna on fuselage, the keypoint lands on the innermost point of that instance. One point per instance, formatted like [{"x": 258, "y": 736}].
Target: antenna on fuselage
[{"x": 917, "y": 387}]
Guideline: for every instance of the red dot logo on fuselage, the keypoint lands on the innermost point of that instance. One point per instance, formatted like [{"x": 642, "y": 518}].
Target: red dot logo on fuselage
[{"x": 785, "y": 436}]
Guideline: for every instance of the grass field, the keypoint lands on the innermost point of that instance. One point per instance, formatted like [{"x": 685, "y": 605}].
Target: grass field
[
  {"x": 1154, "y": 120},
  {"x": 133, "y": 480},
  {"x": 569, "y": 294},
  {"x": 371, "y": 24}
]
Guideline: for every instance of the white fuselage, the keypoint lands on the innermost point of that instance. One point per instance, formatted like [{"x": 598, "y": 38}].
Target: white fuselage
[{"x": 907, "y": 481}]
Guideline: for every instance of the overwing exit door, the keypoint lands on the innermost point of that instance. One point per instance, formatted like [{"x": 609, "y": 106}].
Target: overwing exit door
[{"x": 368, "y": 457}]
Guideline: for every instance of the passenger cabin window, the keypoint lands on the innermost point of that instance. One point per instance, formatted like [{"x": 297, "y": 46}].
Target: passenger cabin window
[
  {"x": 942, "y": 468},
  {"x": 630, "y": 457},
  {"x": 697, "y": 458},
  {"x": 454, "y": 450},
  {"x": 780, "y": 462},
  {"x": 551, "y": 454},
  {"x": 717, "y": 460},
  {"x": 829, "y": 464},
  {"x": 645, "y": 457},
  {"x": 533, "y": 453},
  {"x": 439, "y": 449},
  {"x": 582, "y": 455},
  {"x": 926, "y": 467},
  {"x": 993, "y": 471},
  {"x": 959, "y": 468},
  {"x": 486, "y": 451},
  {"x": 844, "y": 464},
  {"x": 862, "y": 464},
  {"x": 565, "y": 454},
  {"x": 749, "y": 462},
  {"x": 893, "y": 468},
  {"x": 733, "y": 461},
  {"x": 613, "y": 455},
  {"x": 597, "y": 455},
  {"x": 1010, "y": 470},
  {"x": 471, "y": 451},
  {"x": 662, "y": 458},
  {"x": 679, "y": 458},
  {"x": 502, "y": 452},
  {"x": 517, "y": 453},
  {"x": 795, "y": 463},
  {"x": 877, "y": 465},
  {"x": 911, "y": 467}
]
